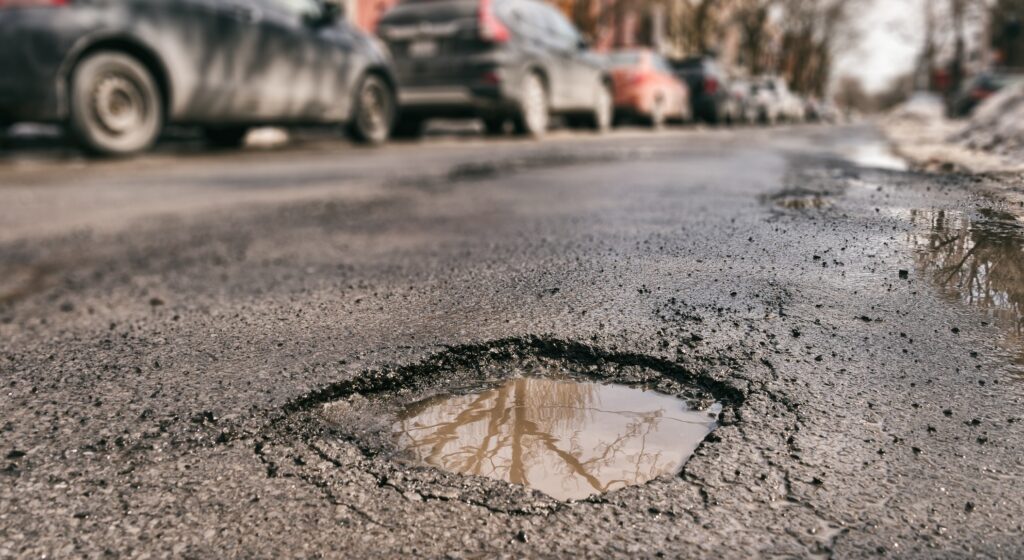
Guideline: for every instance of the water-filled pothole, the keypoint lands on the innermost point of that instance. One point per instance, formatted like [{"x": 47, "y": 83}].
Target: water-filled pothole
[
  {"x": 569, "y": 439},
  {"x": 345, "y": 432}
]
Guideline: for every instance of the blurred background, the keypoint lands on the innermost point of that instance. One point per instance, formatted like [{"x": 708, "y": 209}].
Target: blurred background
[{"x": 869, "y": 55}]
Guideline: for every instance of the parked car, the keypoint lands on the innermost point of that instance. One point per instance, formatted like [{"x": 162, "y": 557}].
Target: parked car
[
  {"x": 497, "y": 60},
  {"x": 709, "y": 89},
  {"x": 766, "y": 102},
  {"x": 647, "y": 88},
  {"x": 743, "y": 95},
  {"x": 818, "y": 110},
  {"x": 776, "y": 103},
  {"x": 116, "y": 72},
  {"x": 980, "y": 88}
]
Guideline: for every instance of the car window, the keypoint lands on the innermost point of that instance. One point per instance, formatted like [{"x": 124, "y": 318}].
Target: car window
[
  {"x": 518, "y": 15},
  {"x": 660, "y": 64},
  {"x": 562, "y": 31},
  {"x": 521, "y": 16},
  {"x": 304, "y": 9}
]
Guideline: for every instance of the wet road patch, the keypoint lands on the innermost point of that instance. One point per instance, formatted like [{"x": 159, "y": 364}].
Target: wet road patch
[
  {"x": 976, "y": 259},
  {"x": 639, "y": 416}
]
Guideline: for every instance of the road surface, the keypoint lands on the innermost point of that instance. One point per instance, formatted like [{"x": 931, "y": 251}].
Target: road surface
[{"x": 172, "y": 327}]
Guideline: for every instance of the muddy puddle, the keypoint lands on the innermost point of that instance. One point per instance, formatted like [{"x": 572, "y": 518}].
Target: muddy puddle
[
  {"x": 569, "y": 439},
  {"x": 977, "y": 259}
]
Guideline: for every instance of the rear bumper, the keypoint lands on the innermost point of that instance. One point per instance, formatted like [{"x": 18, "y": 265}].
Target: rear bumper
[
  {"x": 632, "y": 102},
  {"x": 455, "y": 101},
  {"x": 476, "y": 86}
]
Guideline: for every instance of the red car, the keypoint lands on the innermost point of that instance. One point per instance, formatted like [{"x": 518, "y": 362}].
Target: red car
[{"x": 646, "y": 88}]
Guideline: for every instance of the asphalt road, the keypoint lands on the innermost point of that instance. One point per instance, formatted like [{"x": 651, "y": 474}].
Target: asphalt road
[{"x": 172, "y": 327}]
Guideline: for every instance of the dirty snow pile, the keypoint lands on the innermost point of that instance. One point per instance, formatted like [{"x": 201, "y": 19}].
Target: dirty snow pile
[
  {"x": 921, "y": 109},
  {"x": 997, "y": 125}
]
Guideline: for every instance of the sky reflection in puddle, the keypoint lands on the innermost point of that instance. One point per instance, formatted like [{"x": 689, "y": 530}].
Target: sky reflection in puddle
[{"x": 568, "y": 439}]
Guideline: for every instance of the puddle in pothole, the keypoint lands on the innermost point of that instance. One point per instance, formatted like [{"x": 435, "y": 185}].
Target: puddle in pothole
[
  {"x": 978, "y": 260},
  {"x": 568, "y": 439}
]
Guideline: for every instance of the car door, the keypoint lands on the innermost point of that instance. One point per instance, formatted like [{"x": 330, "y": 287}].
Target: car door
[
  {"x": 302, "y": 60},
  {"x": 205, "y": 45},
  {"x": 561, "y": 50},
  {"x": 582, "y": 65}
]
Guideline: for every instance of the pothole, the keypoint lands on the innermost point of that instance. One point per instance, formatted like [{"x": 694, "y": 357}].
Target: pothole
[
  {"x": 569, "y": 439},
  {"x": 800, "y": 199},
  {"x": 517, "y": 426}
]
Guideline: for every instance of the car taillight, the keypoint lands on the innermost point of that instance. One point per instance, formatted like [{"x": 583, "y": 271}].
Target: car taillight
[
  {"x": 492, "y": 30},
  {"x": 33, "y": 3},
  {"x": 710, "y": 85}
]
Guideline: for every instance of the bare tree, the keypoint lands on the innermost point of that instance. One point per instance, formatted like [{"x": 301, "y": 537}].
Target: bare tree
[{"x": 753, "y": 17}]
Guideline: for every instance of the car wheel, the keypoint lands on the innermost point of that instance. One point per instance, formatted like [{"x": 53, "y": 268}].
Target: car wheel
[
  {"x": 409, "y": 128},
  {"x": 534, "y": 115},
  {"x": 712, "y": 116},
  {"x": 115, "y": 105},
  {"x": 604, "y": 110},
  {"x": 374, "y": 111},
  {"x": 495, "y": 126},
  {"x": 658, "y": 114},
  {"x": 226, "y": 137}
]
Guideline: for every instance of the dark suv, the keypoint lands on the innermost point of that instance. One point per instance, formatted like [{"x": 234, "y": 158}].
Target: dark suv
[
  {"x": 117, "y": 71},
  {"x": 709, "y": 90},
  {"x": 499, "y": 60}
]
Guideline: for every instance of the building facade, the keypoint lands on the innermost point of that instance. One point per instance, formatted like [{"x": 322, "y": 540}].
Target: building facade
[{"x": 366, "y": 13}]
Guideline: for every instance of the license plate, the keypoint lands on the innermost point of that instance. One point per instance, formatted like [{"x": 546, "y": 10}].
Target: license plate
[{"x": 423, "y": 49}]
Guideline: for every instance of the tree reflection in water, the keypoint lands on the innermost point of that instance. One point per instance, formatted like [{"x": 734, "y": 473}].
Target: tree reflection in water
[
  {"x": 567, "y": 439},
  {"x": 980, "y": 261}
]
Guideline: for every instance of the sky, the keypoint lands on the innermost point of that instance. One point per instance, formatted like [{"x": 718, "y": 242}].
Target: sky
[{"x": 891, "y": 36}]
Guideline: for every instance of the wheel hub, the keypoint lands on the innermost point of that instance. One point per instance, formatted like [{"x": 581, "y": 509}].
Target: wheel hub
[
  {"x": 373, "y": 108},
  {"x": 118, "y": 104}
]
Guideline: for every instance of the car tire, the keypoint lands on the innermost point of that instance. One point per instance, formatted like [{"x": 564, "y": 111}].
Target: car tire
[
  {"x": 534, "y": 113},
  {"x": 115, "y": 105},
  {"x": 658, "y": 115},
  {"x": 712, "y": 116},
  {"x": 373, "y": 111},
  {"x": 495, "y": 126},
  {"x": 603, "y": 117},
  {"x": 226, "y": 137},
  {"x": 408, "y": 128}
]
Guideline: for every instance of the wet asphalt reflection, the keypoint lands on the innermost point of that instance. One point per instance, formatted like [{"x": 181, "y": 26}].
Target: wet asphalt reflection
[{"x": 977, "y": 259}]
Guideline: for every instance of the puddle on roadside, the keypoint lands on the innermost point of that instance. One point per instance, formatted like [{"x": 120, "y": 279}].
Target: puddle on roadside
[
  {"x": 979, "y": 260},
  {"x": 568, "y": 439}
]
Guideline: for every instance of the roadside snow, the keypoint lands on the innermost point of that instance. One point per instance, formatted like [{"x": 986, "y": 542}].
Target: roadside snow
[
  {"x": 992, "y": 141},
  {"x": 998, "y": 125}
]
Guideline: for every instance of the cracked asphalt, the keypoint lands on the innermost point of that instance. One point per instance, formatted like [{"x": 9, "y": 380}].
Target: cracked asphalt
[{"x": 198, "y": 350}]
